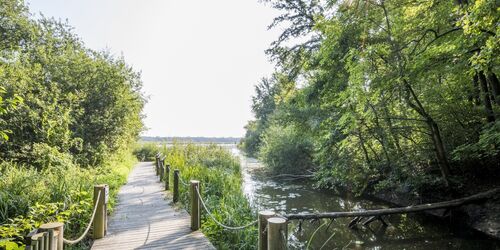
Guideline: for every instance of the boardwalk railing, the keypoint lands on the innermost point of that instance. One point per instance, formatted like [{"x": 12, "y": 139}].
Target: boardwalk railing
[
  {"x": 273, "y": 228},
  {"x": 50, "y": 236}
]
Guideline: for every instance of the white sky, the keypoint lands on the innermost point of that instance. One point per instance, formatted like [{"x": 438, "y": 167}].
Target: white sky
[{"x": 199, "y": 59}]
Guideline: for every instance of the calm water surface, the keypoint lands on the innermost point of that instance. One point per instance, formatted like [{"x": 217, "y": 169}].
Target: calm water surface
[{"x": 403, "y": 232}]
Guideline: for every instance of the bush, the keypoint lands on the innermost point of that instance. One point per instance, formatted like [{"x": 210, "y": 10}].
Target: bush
[
  {"x": 31, "y": 197},
  {"x": 286, "y": 150},
  {"x": 146, "y": 151}
]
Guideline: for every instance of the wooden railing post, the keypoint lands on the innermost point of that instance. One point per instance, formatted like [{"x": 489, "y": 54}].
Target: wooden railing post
[
  {"x": 162, "y": 170},
  {"x": 46, "y": 240},
  {"x": 176, "y": 185},
  {"x": 277, "y": 233},
  {"x": 167, "y": 177},
  {"x": 36, "y": 241},
  {"x": 195, "y": 205},
  {"x": 100, "y": 219},
  {"x": 263, "y": 216},
  {"x": 156, "y": 164},
  {"x": 55, "y": 234}
]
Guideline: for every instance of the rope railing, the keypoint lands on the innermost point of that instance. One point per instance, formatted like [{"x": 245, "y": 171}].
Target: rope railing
[
  {"x": 71, "y": 242},
  {"x": 183, "y": 182},
  {"x": 271, "y": 227},
  {"x": 218, "y": 222},
  {"x": 50, "y": 236}
]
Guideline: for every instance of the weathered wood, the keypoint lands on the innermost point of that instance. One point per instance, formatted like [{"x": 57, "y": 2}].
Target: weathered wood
[
  {"x": 354, "y": 221},
  {"x": 100, "y": 219},
  {"x": 277, "y": 233},
  {"x": 195, "y": 205},
  {"x": 398, "y": 210},
  {"x": 143, "y": 219},
  {"x": 167, "y": 177},
  {"x": 263, "y": 216},
  {"x": 176, "y": 186},
  {"x": 369, "y": 220},
  {"x": 34, "y": 242},
  {"x": 56, "y": 229},
  {"x": 157, "y": 163},
  {"x": 162, "y": 171},
  {"x": 40, "y": 241}
]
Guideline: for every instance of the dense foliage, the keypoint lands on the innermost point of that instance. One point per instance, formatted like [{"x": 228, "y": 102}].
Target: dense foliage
[
  {"x": 382, "y": 94},
  {"x": 76, "y": 101},
  {"x": 68, "y": 116},
  {"x": 30, "y": 197},
  {"x": 220, "y": 182}
]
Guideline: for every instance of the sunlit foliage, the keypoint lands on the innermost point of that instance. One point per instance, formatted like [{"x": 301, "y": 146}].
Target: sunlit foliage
[{"x": 394, "y": 94}]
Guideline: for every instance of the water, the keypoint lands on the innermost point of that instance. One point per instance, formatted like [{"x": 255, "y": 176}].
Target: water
[{"x": 298, "y": 196}]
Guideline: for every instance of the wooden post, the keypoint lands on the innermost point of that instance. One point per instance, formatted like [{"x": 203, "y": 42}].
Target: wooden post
[
  {"x": 56, "y": 232},
  {"x": 35, "y": 244},
  {"x": 157, "y": 164},
  {"x": 167, "y": 177},
  {"x": 46, "y": 240},
  {"x": 263, "y": 216},
  {"x": 277, "y": 233},
  {"x": 100, "y": 219},
  {"x": 38, "y": 241},
  {"x": 52, "y": 241},
  {"x": 195, "y": 205},
  {"x": 176, "y": 185},
  {"x": 162, "y": 170}
]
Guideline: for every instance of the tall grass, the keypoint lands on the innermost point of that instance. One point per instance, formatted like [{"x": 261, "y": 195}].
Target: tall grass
[
  {"x": 30, "y": 197},
  {"x": 219, "y": 174}
]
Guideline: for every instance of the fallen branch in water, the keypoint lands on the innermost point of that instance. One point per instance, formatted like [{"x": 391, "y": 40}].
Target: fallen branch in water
[
  {"x": 398, "y": 210},
  {"x": 296, "y": 176}
]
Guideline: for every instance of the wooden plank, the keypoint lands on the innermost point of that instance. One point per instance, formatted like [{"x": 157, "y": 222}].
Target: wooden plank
[{"x": 143, "y": 219}]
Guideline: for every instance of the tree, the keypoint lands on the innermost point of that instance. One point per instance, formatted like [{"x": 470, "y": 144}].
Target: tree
[{"x": 391, "y": 88}]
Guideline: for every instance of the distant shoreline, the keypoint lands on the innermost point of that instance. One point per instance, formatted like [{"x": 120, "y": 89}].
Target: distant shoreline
[{"x": 197, "y": 139}]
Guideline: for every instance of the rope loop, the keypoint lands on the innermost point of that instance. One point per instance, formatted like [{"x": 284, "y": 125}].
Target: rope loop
[
  {"x": 183, "y": 182},
  {"x": 71, "y": 242}
]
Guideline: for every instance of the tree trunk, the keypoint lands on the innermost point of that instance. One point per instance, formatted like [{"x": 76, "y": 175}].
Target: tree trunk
[
  {"x": 490, "y": 117},
  {"x": 439, "y": 148},
  {"x": 495, "y": 87},
  {"x": 474, "y": 96}
]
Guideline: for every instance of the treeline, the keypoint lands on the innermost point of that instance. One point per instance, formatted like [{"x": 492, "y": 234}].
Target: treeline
[
  {"x": 381, "y": 94},
  {"x": 68, "y": 116},
  {"x": 64, "y": 100},
  {"x": 191, "y": 139}
]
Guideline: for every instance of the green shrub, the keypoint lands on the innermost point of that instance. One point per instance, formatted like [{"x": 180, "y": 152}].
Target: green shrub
[
  {"x": 286, "y": 150},
  {"x": 31, "y": 197},
  {"x": 146, "y": 151},
  {"x": 219, "y": 174}
]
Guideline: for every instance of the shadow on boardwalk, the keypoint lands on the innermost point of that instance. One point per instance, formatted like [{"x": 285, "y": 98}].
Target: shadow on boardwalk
[{"x": 143, "y": 219}]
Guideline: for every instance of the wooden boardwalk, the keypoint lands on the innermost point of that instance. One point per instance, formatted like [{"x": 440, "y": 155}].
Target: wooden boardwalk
[{"x": 143, "y": 219}]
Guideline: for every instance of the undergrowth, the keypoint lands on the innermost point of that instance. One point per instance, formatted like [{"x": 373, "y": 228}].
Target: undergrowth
[
  {"x": 30, "y": 197},
  {"x": 220, "y": 186}
]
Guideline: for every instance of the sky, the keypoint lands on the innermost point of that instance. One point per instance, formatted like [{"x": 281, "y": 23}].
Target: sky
[{"x": 199, "y": 59}]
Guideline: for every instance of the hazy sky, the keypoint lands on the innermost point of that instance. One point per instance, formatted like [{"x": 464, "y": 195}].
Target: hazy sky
[{"x": 199, "y": 59}]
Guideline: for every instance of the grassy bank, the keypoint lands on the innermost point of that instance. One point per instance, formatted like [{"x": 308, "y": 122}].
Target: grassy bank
[
  {"x": 221, "y": 180},
  {"x": 30, "y": 197}
]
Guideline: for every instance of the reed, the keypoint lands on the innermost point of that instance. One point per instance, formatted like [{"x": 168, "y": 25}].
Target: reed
[{"x": 220, "y": 176}]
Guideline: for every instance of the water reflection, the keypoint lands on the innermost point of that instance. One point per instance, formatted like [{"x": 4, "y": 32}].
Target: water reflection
[{"x": 402, "y": 231}]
